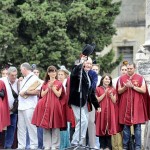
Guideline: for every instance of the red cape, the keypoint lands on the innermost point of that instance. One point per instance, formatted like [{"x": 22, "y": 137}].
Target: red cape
[
  {"x": 106, "y": 120},
  {"x": 70, "y": 114},
  {"x": 48, "y": 112},
  {"x": 132, "y": 104},
  {"x": 4, "y": 109},
  {"x": 63, "y": 102}
]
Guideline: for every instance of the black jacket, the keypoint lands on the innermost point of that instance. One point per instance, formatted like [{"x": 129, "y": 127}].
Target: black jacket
[{"x": 88, "y": 94}]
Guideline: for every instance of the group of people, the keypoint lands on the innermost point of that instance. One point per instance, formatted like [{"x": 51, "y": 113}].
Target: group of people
[{"x": 73, "y": 109}]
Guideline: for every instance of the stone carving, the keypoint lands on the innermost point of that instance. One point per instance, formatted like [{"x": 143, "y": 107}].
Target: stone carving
[
  {"x": 148, "y": 7},
  {"x": 148, "y": 13},
  {"x": 144, "y": 68}
]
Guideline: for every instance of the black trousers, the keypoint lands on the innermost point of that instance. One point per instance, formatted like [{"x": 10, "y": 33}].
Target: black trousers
[{"x": 105, "y": 142}]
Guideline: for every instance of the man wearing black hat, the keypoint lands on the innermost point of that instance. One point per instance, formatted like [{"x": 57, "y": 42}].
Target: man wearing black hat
[{"x": 88, "y": 95}]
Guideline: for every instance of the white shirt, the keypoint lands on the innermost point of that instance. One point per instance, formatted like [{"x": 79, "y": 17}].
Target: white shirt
[
  {"x": 31, "y": 101},
  {"x": 9, "y": 91},
  {"x": 114, "y": 82},
  {"x": 64, "y": 84},
  {"x": 99, "y": 80}
]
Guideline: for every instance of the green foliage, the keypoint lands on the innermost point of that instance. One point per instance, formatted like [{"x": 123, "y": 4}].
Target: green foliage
[
  {"x": 47, "y": 32},
  {"x": 107, "y": 64}
]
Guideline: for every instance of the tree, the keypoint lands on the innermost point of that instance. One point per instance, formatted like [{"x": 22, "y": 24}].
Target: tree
[
  {"x": 107, "y": 65},
  {"x": 46, "y": 32}
]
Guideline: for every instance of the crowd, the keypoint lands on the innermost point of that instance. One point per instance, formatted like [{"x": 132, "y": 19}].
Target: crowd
[{"x": 70, "y": 109}]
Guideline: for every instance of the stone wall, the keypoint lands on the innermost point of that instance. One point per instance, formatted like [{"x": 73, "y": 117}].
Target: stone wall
[
  {"x": 130, "y": 24},
  {"x": 132, "y": 13},
  {"x": 128, "y": 36},
  {"x": 143, "y": 55}
]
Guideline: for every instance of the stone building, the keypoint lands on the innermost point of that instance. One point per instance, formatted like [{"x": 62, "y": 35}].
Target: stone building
[
  {"x": 130, "y": 24},
  {"x": 133, "y": 30}
]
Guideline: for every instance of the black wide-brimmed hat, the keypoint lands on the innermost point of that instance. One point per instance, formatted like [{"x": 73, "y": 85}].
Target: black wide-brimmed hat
[{"x": 88, "y": 49}]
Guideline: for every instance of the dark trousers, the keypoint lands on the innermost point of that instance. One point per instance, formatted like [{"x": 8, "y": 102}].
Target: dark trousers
[
  {"x": 127, "y": 134},
  {"x": 105, "y": 142},
  {"x": 72, "y": 130},
  {"x": 2, "y": 139},
  {"x": 40, "y": 138},
  {"x": 10, "y": 132}
]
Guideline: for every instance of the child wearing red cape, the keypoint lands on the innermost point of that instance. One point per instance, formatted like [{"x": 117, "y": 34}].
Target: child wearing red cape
[
  {"x": 48, "y": 112},
  {"x": 106, "y": 124}
]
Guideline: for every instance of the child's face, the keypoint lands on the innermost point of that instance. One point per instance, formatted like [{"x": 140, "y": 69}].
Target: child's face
[
  {"x": 106, "y": 81},
  {"x": 36, "y": 72},
  {"x": 4, "y": 73},
  {"x": 61, "y": 76},
  {"x": 96, "y": 69}
]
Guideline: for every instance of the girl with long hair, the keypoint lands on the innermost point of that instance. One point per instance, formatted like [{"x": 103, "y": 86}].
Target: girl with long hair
[
  {"x": 105, "y": 121},
  {"x": 48, "y": 113}
]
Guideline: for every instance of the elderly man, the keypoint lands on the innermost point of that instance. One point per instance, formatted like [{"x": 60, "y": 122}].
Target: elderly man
[
  {"x": 132, "y": 105},
  {"x": 27, "y": 102},
  {"x": 88, "y": 98},
  {"x": 11, "y": 83}
]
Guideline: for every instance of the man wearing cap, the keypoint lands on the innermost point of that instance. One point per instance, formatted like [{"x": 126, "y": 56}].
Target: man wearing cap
[
  {"x": 27, "y": 103},
  {"x": 88, "y": 95}
]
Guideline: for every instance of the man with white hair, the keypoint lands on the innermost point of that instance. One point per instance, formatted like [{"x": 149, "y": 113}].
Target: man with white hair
[
  {"x": 27, "y": 103},
  {"x": 11, "y": 83},
  {"x": 88, "y": 98}
]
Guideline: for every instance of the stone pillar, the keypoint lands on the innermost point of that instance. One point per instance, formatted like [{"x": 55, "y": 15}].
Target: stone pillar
[
  {"x": 143, "y": 54},
  {"x": 147, "y": 35},
  {"x": 143, "y": 64},
  {"x": 147, "y": 43},
  {"x": 143, "y": 68}
]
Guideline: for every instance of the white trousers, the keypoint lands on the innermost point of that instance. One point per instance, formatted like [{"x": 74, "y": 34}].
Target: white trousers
[
  {"x": 24, "y": 123},
  {"x": 147, "y": 136},
  {"x": 84, "y": 124},
  {"x": 92, "y": 128},
  {"x": 51, "y": 138}
]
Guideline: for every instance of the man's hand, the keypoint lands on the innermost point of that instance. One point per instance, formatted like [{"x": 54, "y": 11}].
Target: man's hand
[
  {"x": 20, "y": 79},
  {"x": 29, "y": 92},
  {"x": 99, "y": 110},
  {"x": 22, "y": 94},
  {"x": 83, "y": 58},
  {"x": 128, "y": 84}
]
